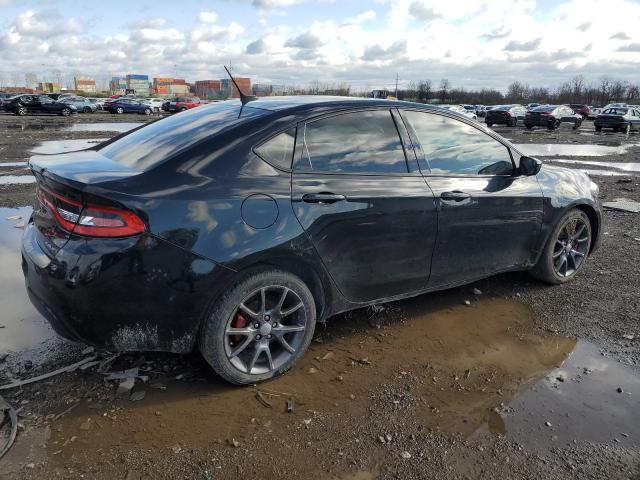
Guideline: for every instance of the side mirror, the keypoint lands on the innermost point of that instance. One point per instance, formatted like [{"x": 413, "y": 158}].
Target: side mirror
[{"x": 529, "y": 166}]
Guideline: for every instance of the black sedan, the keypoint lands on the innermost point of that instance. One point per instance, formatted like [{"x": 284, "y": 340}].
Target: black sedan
[
  {"x": 619, "y": 119},
  {"x": 551, "y": 117},
  {"x": 508, "y": 115},
  {"x": 233, "y": 228},
  {"x": 127, "y": 105},
  {"x": 24, "y": 104}
]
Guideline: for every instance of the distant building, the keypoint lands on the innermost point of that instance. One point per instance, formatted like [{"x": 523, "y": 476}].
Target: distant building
[
  {"x": 85, "y": 84},
  {"x": 49, "y": 87},
  {"x": 138, "y": 84},
  {"x": 209, "y": 89},
  {"x": 118, "y": 85},
  {"x": 231, "y": 91},
  {"x": 170, "y": 86}
]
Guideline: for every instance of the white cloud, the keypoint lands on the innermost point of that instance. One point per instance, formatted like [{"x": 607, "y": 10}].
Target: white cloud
[{"x": 208, "y": 16}]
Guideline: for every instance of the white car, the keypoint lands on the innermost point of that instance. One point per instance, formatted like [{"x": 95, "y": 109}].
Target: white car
[
  {"x": 460, "y": 109},
  {"x": 154, "y": 103}
]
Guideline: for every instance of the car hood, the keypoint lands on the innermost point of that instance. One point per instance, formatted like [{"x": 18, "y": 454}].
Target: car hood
[{"x": 567, "y": 185}]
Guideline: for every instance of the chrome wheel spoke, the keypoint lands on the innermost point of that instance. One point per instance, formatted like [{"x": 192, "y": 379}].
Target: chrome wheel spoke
[
  {"x": 240, "y": 348},
  {"x": 283, "y": 297},
  {"x": 240, "y": 331},
  {"x": 290, "y": 310},
  {"x": 285, "y": 344},
  {"x": 557, "y": 254},
  {"x": 284, "y": 329},
  {"x": 248, "y": 311},
  {"x": 263, "y": 301},
  {"x": 267, "y": 352},
  {"x": 580, "y": 231},
  {"x": 254, "y": 358},
  {"x": 579, "y": 254}
]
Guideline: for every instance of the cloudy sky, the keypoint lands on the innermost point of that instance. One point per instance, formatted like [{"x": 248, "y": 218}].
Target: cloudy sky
[{"x": 473, "y": 43}]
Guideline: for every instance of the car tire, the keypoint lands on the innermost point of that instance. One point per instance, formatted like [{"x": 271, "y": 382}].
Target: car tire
[
  {"x": 513, "y": 122},
  {"x": 627, "y": 129},
  {"x": 182, "y": 109},
  {"x": 147, "y": 111},
  {"x": 598, "y": 128},
  {"x": 87, "y": 110},
  {"x": 529, "y": 127},
  {"x": 217, "y": 345},
  {"x": 65, "y": 112},
  {"x": 547, "y": 269},
  {"x": 21, "y": 111},
  {"x": 489, "y": 125},
  {"x": 119, "y": 110}
]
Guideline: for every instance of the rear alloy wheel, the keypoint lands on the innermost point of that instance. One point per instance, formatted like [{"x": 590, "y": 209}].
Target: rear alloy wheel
[
  {"x": 87, "y": 110},
  {"x": 119, "y": 110},
  {"x": 147, "y": 111},
  {"x": 65, "y": 112},
  {"x": 22, "y": 111},
  {"x": 260, "y": 328},
  {"x": 566, "y": 250},
  {"x": 598, "y": 129},
  {"x": 489, "y": 125},
  {"x": 627, "y": 129}
]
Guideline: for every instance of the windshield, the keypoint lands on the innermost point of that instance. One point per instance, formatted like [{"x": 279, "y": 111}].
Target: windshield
[
  {"x": 544, "y": 108},
  {"x": 616, "y": 111},
  {"x": 502, "y": 108},
  {"x": 154, "y": 143}
]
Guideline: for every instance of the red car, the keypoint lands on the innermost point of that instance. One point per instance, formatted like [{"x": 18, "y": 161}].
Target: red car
[
  {"x": 181, "y": 104},
  {"x": 581, "y": 109}
]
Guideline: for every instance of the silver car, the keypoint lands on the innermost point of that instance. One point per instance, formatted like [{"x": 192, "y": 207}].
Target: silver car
[{"x": 84, "y": 105}]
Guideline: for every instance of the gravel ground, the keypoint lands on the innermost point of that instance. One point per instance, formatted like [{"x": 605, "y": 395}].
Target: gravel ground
[{"x": 424, "y": 388}]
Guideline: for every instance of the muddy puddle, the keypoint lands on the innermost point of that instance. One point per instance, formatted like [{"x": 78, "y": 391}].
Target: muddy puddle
[
  {"x": 119, "y": 127},
  {"x": 463, "y": 370},
  {"x": 572, "y": 150},
  {"x": 631, "y": 167},
  {"x": 51, "y": 147},
  {"x": 23, "y": 331},
  {"x": 13, "y": 179}
]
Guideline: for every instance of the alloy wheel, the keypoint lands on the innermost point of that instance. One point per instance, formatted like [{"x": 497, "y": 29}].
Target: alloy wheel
[
  {"x": 571, "y": 247},
  {"x": 265, "y": 330}
]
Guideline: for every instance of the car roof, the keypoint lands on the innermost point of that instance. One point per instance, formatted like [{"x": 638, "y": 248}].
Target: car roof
[{"x": 288, "y": 102}]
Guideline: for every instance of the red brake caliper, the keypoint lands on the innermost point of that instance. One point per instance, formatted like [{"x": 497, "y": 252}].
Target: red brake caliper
[{"x": 238, "y": 322}]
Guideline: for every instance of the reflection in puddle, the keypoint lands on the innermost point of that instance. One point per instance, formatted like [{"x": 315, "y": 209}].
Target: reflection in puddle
[
  {"x": 590, "y": 398},
  {"x": 102, "y": 127},
  {"x": 625, "y": 166},
  {"x": 24, "y": 328},
  {"x": 574, "y": 150},
  {"x": 51, "y": 147},
  {"x": 13, "y": 179}
]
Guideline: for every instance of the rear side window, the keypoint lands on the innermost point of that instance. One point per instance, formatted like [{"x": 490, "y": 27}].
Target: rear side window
[
  {"x": 454, "y": 148},
  {"x": 358, "y": 142},
  {"x": 279, "y": 150}
]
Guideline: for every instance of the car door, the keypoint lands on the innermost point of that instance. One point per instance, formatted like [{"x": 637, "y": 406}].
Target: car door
[
  {"x": 46, "y": 104},
  {"x": 489, "y": 217},
  {"x": 367, "y": 211}
]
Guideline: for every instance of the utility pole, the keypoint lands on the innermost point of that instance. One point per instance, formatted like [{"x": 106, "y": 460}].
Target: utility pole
[{"x": 396, "y": 85}]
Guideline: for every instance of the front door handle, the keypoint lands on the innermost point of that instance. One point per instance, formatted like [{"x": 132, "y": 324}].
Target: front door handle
[
  {"x": 322, "y": 197},
  {"x": 454, "y": 198}
]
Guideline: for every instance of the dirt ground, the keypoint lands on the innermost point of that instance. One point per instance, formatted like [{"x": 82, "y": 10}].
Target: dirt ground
[{"x": 524, "y": 381}]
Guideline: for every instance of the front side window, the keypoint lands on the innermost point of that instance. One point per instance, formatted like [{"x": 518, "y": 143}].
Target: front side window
[
  {"x": 278, "y": 151},
  {"x": 358, "y": 142},
  {"x": 454, "y": 148}
]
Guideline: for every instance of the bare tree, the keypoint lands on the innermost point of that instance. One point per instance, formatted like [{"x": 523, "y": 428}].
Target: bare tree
[{"x": 444, "y": 90}]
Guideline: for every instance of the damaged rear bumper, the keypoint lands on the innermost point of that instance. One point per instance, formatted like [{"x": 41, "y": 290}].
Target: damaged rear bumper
[{"x": 123, "y": 294}]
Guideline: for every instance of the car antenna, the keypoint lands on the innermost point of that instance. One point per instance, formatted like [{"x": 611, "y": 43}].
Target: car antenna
[{"x": 243, "y": 97}]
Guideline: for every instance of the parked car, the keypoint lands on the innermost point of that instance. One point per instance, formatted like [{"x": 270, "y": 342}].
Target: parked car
[
  {"x": 155, "y": 103},
  {"x": 581, "y": 109},
  {"x": 531, "y": 106},
  {"x": 98, "y": 102},
  {"x": 31, "y": 103},
  {"x": 551, "y": 117},
  {"x": 205, "y": 231},
  {"x": 594, "y": 112},
  {"x": 58, "y": 96},
  {"x": 6, "y": 100},
  {"x": 463, "y": 110},
  {"x": 180, "y": 104},
  {"x": 127, "y": 105},
  {"x": 481, "y": 110},
  {"x": 83, "y": 104},
  {"x": 620, "y": 119},
  {"x": 505, "y": 115}
]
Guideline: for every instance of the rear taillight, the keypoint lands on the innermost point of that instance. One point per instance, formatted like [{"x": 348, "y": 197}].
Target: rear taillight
[{"x": 91, "y": 220}]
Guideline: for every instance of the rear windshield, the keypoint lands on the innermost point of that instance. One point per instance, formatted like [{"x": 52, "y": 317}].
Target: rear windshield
[
  {"x": 154, "y": 143},
  {"x": 544, "y": 108},
  {"x": 502, "y": 108},
  {"x": 617, "y": 111}
]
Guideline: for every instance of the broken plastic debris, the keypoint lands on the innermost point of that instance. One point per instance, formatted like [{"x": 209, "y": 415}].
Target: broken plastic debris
[
  {"x": 8, "y": 411},
  {"x": 68, "y": 368}
]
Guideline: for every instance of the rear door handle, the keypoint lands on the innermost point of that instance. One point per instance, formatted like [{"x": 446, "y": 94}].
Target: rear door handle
[
  {"x": 322, "y": 198},
  {"x": 453, "y": 198}
]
